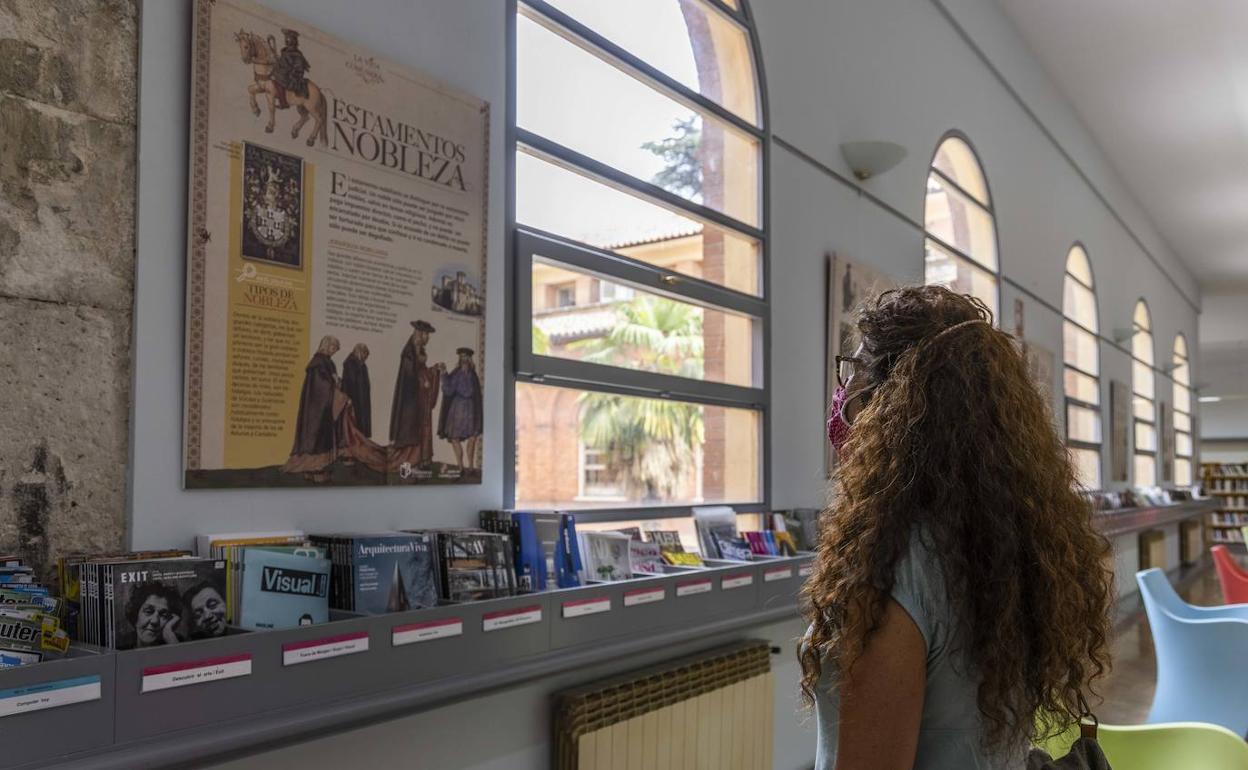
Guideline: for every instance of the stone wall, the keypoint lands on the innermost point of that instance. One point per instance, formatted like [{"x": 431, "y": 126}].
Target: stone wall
[{"x": 68, "y": 83}]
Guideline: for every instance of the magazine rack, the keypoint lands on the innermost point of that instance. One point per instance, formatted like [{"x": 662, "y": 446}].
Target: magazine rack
[
  {"x": 1124, "y": 521},
  {"x": 217, "y": 697}
]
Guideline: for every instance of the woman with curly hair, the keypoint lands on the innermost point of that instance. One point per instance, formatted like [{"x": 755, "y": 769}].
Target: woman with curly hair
[{"x": 960, "y": 592}]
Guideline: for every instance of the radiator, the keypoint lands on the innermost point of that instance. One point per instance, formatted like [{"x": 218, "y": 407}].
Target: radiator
[{"x": 713, "y": 710}]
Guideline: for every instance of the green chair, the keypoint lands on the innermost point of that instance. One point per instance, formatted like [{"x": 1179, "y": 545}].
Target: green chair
[{"x": 1173, "y": 746}]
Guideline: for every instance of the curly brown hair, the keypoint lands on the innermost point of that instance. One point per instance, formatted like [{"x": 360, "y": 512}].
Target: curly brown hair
[{"x": 955, "y": 440}]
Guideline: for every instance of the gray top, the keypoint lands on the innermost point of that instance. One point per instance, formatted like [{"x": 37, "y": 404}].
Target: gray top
[{"x": 950, "y": 730}]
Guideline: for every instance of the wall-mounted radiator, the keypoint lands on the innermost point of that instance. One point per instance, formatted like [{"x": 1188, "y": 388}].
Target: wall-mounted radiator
[{"x": 712, "y": 710}]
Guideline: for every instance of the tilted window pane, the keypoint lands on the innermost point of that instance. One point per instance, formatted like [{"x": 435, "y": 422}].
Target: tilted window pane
[
  {"x": 574, "y": 98},
  {"x": 960, "y": 222},
  {"x": 1079, "y": 304},
  {"x": 961, "y": 275},
  {"x": 655, "y": 451},
  {"x": 1182, "y": 444},
  {"x": 1183, "y": 421},
  {"x": 1082, "y": 387},
  {"x": 1145, "y": 437},
  {"x": 1182, "y": 399},
  {"x": 1145, "y": 471},
  {"x": 557, "y": 200},
  {"x": 1142, "y": 346},
  {"x": 638, "y": 330},
  {"x": 1083, "y": 424},
  {"x": 1144, "y": 409},
  {"x": 1080, "y": 349},
  {"x": 1183, "y": 472},
  {"x": 1182, "y": 372},
  {"x": 1078, "y": 266},
  {"x": 1142, "y": 383},
  {"x": 955, "y": 160},
  {"x": 688, "y": 41},
  {"x": 1087, "y": 467}
]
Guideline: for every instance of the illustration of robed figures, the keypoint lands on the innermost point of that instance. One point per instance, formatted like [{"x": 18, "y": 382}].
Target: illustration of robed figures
[
  {"x": 415, "y": 395},
  {"x": 315, "y": 440},
  {"x": 356, "y": 385},
  {"x": 462, "y": 417}
]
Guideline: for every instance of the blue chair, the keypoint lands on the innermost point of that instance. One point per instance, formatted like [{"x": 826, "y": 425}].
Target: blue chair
[{"x": 1201, "y": 676}]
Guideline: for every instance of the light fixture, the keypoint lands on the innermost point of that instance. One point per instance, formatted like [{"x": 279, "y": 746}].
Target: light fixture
[
  {"x": 868, "y": 159},
  {"x": 1209, "y": 399}
]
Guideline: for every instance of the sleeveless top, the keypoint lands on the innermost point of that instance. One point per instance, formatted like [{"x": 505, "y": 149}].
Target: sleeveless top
[{"x": 951, "y": 728}]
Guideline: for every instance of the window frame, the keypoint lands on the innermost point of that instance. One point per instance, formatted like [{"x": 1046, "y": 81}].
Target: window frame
[
  {"x": 991, "y": 208},
  {"x": 521, "y": 243},
  {"x": 1190, "y": 457},
  {"x": 1136, "y": 420},
  {"x": 1067, "y": 318}
]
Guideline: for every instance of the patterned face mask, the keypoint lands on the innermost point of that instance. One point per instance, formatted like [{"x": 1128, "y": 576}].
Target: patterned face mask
[{"x": 838, "y": 429}]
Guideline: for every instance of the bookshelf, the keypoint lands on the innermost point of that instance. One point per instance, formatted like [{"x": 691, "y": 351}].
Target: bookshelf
[{"x": 1227, "y": 484}]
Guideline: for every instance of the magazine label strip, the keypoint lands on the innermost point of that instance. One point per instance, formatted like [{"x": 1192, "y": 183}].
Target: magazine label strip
[
  {"x": 691, "y": 587},
  {"x": 778, "y": 573},
  {"x": 740, "y": 580},
  {"x": 806, "y": 570},
  {"x": 322, "y": 649},
  {"x": 644, "y": 596},
  {"x": 579, "y": 607},
  {"x": 195, "y": 672},
  {"x": 426, "y": 632},
  {"x": 49, "y": 695},
  {"x": 496, "y": 621}
]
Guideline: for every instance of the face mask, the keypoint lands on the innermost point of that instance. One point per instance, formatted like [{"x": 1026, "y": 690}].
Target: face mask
[{"x": 838, "y": 429}]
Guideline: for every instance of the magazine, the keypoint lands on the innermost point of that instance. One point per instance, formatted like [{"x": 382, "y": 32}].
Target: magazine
[
  {"x": 606, "y": 556},
  {"x": 714, "y": 523},
  {"x": 283, "y": 590}
]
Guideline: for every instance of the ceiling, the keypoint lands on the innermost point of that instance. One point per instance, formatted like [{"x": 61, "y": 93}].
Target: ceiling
[{"x": 1163, "y": 86}]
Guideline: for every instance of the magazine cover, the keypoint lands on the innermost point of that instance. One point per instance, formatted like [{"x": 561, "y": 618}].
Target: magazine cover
[
  {"x": 283, "y": 590},
  {"x": 606, "y": 555},
  {"x": 393, "y": 573},
  {"x": 715, "y": 523},
  {"x": 476, "y": 566},
  {"x": 164, "y": 601},
  {"x": 645, "y": 557}
]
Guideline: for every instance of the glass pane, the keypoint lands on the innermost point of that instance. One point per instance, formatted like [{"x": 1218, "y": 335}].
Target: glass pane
[
  {"x": 1183, "y": 444},
  {"x": 1080, "y": 348},
  {"x": 1142, "y": 346},
  {"x": 960, "y": 222},
  {"x": 960, "y": 275},
  {"x": 1183, "y": 422},
  {"x": 682, "y": 525},
  {"x": 1087, "y": 467},
  {"x": 632, "y": 328},
  {"x": 1182, "y": 372},
  {"x": 1142, "y": 380},
  {"x": 655, "y": 451},
  {"x": 1083, "y": 424},
  {"x": 1144, "y": 409},
  {"x": 955, "y": 160},
  {"x": 574, "y": 98},
  {"x": 686, "y": 39},
  {"x": 1082, "y": 387},
  {"x": 1078, "y": 266},
  {"x": 1141, "y": 316},
  {"x": 1079, "y": 304},
  {"x": 563, "y": 202},
  {"x": 1145, "y": 471},
  {"x": 1180, "y": 347},
  {"x": 1183, "y": 472},
  {"x": 1182, "y": 399},
  {"x": 1145, "y": 437}
]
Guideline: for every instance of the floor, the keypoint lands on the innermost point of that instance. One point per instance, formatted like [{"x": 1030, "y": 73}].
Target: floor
[{"x": 1128, "y": 689}]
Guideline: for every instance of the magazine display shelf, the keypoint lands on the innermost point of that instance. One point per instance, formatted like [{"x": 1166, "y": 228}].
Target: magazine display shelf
[
  {"x": 360, "y": 669},
  {"x": 1125, "y": 521}
]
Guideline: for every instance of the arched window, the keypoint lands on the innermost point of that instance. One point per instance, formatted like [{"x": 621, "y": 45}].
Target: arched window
[
  {"x": 1182, "y": 413},
  {"x": 639, "y": 255},
  {"x": 961, "y": 245},
  {"x": 1082, "y": 376},
  {"x": 1143, "y": 387}
]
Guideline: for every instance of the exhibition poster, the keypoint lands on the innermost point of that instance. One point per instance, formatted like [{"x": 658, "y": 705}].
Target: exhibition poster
[{"x": 336, "y": 262}]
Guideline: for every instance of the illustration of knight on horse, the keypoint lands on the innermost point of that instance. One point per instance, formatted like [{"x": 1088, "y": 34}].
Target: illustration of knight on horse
[{"x": 283, "y": 80}]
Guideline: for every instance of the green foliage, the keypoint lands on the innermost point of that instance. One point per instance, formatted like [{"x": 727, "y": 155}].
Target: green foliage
[
  {"x": 541, "y": 341},
  {"x": 682, "y": 157}
]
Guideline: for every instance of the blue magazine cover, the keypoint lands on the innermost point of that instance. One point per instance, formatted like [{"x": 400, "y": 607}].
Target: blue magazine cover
[
  {"x": 283, "y": 590},
  {"x": 394, "y": 573}
]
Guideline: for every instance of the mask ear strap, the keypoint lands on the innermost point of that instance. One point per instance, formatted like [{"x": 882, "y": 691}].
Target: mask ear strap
[{"x": 1087, "y": 720}]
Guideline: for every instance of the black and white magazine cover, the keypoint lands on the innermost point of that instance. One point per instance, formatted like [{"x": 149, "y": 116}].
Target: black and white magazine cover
[{"x": 166, "y": 601}]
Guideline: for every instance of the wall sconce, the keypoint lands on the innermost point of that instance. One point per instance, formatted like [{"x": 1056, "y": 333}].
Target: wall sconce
[
  {"x": 868, "y": 159},
  {"x": 1123, "y": 335}
]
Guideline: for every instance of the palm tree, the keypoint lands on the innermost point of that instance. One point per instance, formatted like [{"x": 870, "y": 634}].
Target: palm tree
[{"x": 650, "y": 443}]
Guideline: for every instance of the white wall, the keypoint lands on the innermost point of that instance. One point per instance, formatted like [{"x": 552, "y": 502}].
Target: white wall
[{"x": 837, "y": 70}]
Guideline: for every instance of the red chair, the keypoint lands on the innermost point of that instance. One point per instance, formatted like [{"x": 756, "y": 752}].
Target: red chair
[{"x": 1233, "y": 578}]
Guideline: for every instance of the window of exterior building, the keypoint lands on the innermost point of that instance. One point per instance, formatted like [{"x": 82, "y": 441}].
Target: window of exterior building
[
  {"x": 1082, "y": 371},
  {"x": 639, "y": 253},
  {"x": 1144, "y": 395},
  {"x": 961, "y": 245},
  {"x": 1182, "y": 376}
]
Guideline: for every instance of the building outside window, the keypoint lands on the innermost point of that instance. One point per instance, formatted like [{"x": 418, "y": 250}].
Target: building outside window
[
  {"x": 639, "y": 159},
  {"x": 1144, "y": 405},
  {"x": 960, "y": 250},
  {"x": 1082, "y": 370},
  {"x": 1182, "y": 376}
]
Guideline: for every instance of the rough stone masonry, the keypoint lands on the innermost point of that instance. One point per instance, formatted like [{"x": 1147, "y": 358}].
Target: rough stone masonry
[{"x": 68, "y": 76}]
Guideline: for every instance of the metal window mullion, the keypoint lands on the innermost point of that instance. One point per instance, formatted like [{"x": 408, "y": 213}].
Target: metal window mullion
[
  {"x": 573, "y": 373},
  {"x": 558, "y": 153},
  {"x": 1073, "y": 401},
  {"x": 595, "y": 44},
  {"x": 954, "y": 251},
  {"x": 661, "y": 512},
  {"x": 650, "y": 278},
  {"x": 987, "y": 209},
  {"x": 1084, "y": 372},
  {"x": 1076, "y": 279}
]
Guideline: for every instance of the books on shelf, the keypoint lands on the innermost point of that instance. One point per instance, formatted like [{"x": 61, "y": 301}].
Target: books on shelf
[
  {"x": 672, "y": 549},
  {"x": 545, "y": 548},
  {"x": 475, "y": 565}
]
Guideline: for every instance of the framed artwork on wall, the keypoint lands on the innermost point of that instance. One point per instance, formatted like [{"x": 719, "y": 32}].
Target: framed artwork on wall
[
  {"x": 1119, "y": 430},
  {"x": 1165, "y": 429}
]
